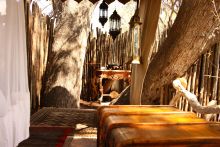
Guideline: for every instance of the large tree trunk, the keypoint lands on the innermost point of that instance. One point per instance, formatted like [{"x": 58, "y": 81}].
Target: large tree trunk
[
  {"x": 65, "y": 62},
  {"x": 196, "y": 28}
]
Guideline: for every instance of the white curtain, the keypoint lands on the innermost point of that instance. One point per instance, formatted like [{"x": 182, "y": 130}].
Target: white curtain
[{"x": 14, "y": 93}]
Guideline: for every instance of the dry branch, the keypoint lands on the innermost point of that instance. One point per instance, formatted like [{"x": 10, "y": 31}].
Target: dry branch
[{"x": 192, "y": 99}]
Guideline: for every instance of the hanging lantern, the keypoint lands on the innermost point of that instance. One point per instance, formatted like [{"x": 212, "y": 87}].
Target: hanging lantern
[
  {"x": 103, "y": 13},
  {"x": 115, "y": 25},
  {"x": 135, "y": 26}
]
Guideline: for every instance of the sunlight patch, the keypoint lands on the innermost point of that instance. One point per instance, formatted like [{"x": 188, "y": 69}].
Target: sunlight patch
[{"x": 2, "y": 7}]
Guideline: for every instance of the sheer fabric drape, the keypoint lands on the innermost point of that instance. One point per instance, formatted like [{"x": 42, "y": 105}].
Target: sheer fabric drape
[{"x": 14, "y": 93}]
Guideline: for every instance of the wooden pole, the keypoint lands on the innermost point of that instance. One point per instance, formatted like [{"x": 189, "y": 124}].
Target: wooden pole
[
  {"x": 193, "y": 81},
  {"x": 189, "y": 81},
  {"x": 206, "y": 78},
  {"x": 209, "y": 90},
  {"x": 215, "y": 71},
  {"x": 202, "y": 78}
]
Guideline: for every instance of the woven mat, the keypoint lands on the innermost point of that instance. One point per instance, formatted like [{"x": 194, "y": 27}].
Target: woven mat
[
  {"x": 59, "y": 127},
  {"x": 65, "y": 117}
]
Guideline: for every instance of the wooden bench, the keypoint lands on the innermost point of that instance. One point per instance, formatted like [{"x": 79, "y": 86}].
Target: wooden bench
[
  {"x": 106, "y": 111},
  {"x": 165, "y": 135},
  {"x": 152, "y": 126}
]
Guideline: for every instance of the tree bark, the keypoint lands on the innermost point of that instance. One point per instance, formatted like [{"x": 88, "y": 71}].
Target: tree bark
[
  {"x": 65, "y": 62},
  {"x": 195, "y": 30}
]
